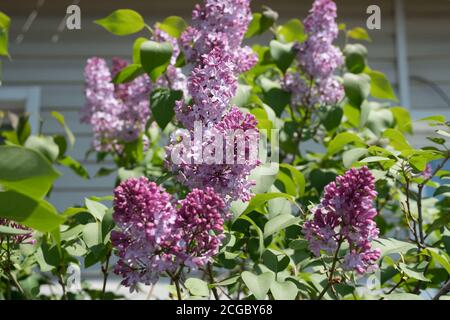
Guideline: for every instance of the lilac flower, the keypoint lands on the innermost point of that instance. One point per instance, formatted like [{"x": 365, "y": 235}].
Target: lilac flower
[
  {"x": 346, "y": 213},
  {"x": 213, "y": 46},
  {"x": 428, "y": 172},
  {"x": 318, "y": 59},
  {"x": 19, "y": 238},
  {"x": 220, "y": 24},
  {"x": 236, "y": 137},
  {"x": 156, "y": 235},
  {"x": 147, "y": 234},
  {"x": 212, "y": 85},
  {"x": 200, "y": 217},
  {"x": 116, "y": 113}
]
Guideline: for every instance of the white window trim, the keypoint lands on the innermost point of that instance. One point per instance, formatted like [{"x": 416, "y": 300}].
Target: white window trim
[{"x": 30, "y": 96}]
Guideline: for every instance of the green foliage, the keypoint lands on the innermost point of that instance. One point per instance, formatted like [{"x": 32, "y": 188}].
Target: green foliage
[
  {"x": 122, "y": 22},
  {"x": 162, "y": 102},
  {"x": 173, "y": 25},
  {"x": 155, "y": 57}
]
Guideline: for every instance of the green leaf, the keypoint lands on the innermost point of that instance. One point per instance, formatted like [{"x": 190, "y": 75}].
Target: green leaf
[
  {"x": 341, "y": 140},
  {"x": 258, "y": 285},
  {"x": 278, "y": 223},
  {"x": 274, "y": 95},
  {"x": 137, "y": 49},
  {"x": 197, "y": 287},
  {"x": 298, "y": 178},
  {"x": 391, "y": 246},
  {"x": 357, "y": 88},
  {"x": 353, "y": 155},
  {"x": 284, "y": 290},
  {"x": 5, "y": 21},
  {"x": 282, "y": 54},
  {"x": 379, "y": 119},
  {"x": 441, "y": 190},
  {"x": 4, "y": 29},
  {"x": 162, "y": 101},
  {"x": 44, "y": 145},
  {"x": 412, "y": 273},
  {"x": 440, "y": 257},
  {"x": 402, "y": 296},
  {"x": 275, "y": 262},
  {"x": 229, "y": 281},
  {"x": 260, "y": 23},
  {"x": 298, "y": 244},
  {"x": 129, "y": 73},
  {"x": 397, "y": 139},
  {"x": 403, "y": 119},
  {"x": 291, "y": 31},
  {"x": 75, "y": 166},
  {"x": 289, "y": 185},
  {"x": 355, "y": 57},
  {"x": 23, "y": 128},
  {"x": 92, "y": 234},
  {"x": 125, "y": 174},
  {"x": 33, "y": 213},
  {"x": 258, "y": 200},
  {"x": 107, "y": 225},
  {"x": 155, "y": 57},
  {"x": 374, "y": 159},
  {"x": 279, "y": 206},
  {"x": 9, "y": 231},
  {"x": 97, "y": 209},
  {"x": 436, "y": 118},
  {"x": 380, "y": 87},
  {"x": 332, "y": 118},
  {"x": 122, "y": 22},
  {"x": 358, "y": 33},
  {"x": 174, "y": 26},
  {"x": 60, "y": 118},
  {"x": 26, "y": 171},
  {"x": 443, "y": 133},
  {"x": 242, "y": 95}
]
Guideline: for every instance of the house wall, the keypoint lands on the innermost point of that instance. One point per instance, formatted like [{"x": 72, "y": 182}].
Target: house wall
[{"x": 57, "y": 68}]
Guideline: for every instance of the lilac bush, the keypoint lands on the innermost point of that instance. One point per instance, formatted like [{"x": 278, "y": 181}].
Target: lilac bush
[{"x": 274, "y": 171}]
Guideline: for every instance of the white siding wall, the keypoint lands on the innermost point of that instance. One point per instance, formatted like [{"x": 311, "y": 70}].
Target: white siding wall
[{"x": 58, "y": 67}]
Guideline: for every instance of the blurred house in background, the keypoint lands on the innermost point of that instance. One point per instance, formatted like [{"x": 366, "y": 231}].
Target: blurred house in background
[{"x": 46, "y": 69}]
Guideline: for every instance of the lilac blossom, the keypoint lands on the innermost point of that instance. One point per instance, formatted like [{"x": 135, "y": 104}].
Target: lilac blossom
[
  {"x": 200, "y": 218},
  {"x": 236, "y": 137},
  {"x": 346, "y": 213},
  {"x": 146, "y": 240},
  {"x": 317, "y": 59},
  {"x": 156, "y": 235},
  {"x": 213, "y": 46},
  {"x": 220, "y": 24},
  {"x": 212, "y": 85},
  {"x": 116, "y": 113}
]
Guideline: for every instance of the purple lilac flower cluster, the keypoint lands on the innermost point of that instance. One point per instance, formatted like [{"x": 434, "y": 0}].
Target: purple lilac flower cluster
[
  {"x": 157, "y": 235},
  {"x": 223, "y": 165},
  {"x": 346, "y": 213},
  {"x": 116, "y": 113},
  {"x": 318, "y": 59},
  {"x": 19, "y": 238},
  {"x": 213, "y": 46},
  {"x": 220, "y": 24}
]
